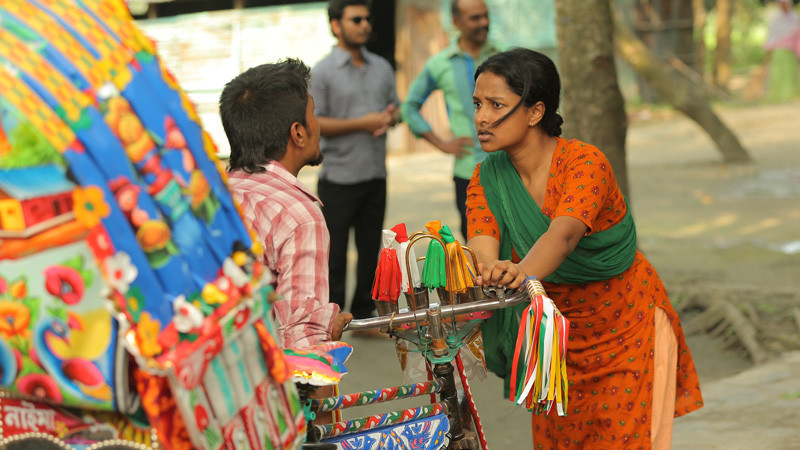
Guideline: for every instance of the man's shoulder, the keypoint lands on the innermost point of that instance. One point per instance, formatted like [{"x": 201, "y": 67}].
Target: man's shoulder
[
  {"x": 284, "y": 203},
  {"x": 378, "y": 60},
  {"x": 253, "y": 186},
  {"x": 326, "y": 63},
  {"x": 443, "y": 56}
]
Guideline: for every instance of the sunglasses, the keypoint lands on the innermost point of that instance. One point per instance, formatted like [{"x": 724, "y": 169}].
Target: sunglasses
[{"x": 358, "y": 19}]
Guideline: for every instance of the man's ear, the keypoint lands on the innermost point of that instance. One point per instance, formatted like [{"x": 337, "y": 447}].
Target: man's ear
[
  {"x": 298, "y": 134},
  {"x": 336, "y": 27},
  {"x": 457, "y": 22}
]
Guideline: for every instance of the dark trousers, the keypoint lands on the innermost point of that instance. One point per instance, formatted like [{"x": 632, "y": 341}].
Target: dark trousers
[
  {"x": 461, "y": 203},
  {"x": 360, "y": 206}
]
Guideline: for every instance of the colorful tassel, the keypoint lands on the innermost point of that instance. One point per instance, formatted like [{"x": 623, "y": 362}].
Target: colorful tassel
[
  {"x": 460, "y": 268},
  {"x": 412, "y": 279},
  {"x": 387, "y": 283}
]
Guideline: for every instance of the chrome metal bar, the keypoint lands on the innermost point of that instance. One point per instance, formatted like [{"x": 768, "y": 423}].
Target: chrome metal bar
[{"x": 497, "y": 302}]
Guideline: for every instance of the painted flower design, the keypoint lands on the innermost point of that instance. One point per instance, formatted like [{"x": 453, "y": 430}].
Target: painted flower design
[
  {"x": 153, "y": 235},
  {"x": 14, "y": 319},
  {"x": 241, "y": 318},
  {"x": 126, "y": 125},
  {"x": 65, "y": 283},
  {"x": 187, "y": 316},
  {"x": 147, "y": 335},
  {"x": 100, "y": 242},
  {"x": 199, "y": 188},
  {"x": 134, "y": 302},
  {"x": 90, "y": 205},
  {"x": 18, "y": 289},
  {"x": 3, "y": 285},
  {"x": 120, "y": 272},
  {"x": 127, "y": 195},
  {"x": 201, "y": 417},
  {"x": 213, "y": 295},
  {"x": 39, "y": 385}
]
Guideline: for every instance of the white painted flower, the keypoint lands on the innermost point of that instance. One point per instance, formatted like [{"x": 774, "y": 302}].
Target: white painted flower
[
  {"x": 120, "y": 272},
  {"x": 106, "y": 91},
  {"x": 187, "y": 316}
]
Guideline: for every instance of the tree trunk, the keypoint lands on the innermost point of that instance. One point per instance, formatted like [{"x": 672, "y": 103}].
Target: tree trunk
[
  {"x": 699, "y": 17},
  {"x": 722, "y": 54},
  {"x": 679, "y": 91},
  {"x": 594, "y": 109}
]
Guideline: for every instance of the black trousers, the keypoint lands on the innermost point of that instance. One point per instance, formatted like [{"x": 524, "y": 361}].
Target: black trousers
[
  {"x": 461, "y": 204},
  {"x": 359, "y": 206}
]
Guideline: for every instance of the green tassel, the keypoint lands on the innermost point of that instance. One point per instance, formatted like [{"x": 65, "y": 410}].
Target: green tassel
[{"x": 433, "y": 272}]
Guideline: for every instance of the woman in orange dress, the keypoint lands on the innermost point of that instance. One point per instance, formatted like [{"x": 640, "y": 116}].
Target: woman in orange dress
[{"x": 543, "y": 206}]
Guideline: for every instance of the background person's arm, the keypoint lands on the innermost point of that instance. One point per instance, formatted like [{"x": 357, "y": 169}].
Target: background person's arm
[
  {"x": 370, "y": 123},
  {"x": 418, "y": 92}
]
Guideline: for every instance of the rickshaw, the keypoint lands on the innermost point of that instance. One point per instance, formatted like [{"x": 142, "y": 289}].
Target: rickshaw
[
  {"x": 438, "y": 331},
  {"x": 133, "y": 311}
]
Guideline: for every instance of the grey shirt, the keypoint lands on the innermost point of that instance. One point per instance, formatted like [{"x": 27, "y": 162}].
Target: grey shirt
[{"x": 342, "y": 90}]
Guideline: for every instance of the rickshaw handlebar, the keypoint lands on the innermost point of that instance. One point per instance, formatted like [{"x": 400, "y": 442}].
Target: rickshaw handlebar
[{"x": 498, "y": 299}]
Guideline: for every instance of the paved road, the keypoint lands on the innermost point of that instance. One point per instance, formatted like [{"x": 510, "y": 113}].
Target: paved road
[{"x": 758, "y": 408}]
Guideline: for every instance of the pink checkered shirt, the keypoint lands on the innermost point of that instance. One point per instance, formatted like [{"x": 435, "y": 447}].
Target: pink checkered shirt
[{"x": 283, "y": 213}]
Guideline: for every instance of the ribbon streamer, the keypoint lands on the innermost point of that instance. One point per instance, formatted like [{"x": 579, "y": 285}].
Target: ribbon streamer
[{"x": 539, "y": 370}]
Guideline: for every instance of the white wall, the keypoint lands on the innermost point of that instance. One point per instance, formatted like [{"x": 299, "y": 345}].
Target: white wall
[{"x": 206, "y": 50}]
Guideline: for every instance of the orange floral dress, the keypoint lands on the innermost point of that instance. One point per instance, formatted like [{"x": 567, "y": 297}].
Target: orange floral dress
[{"x": 612, "y": 322}]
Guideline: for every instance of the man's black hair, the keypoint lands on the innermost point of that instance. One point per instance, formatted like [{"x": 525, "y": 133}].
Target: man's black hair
[
  {"x": 258, "y": 108},
  {"x": 336, "y": 7},
  {"x": 534, "y": 77}
]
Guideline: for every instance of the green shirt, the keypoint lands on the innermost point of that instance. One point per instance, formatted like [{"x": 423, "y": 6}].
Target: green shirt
[{"x": 453, "y": 71}]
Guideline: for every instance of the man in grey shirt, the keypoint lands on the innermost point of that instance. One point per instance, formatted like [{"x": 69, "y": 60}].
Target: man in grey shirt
[{"x": 356, "y": 103}]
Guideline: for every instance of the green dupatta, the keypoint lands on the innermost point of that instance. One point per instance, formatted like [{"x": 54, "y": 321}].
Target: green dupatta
[{"x": 598, "y": 256}]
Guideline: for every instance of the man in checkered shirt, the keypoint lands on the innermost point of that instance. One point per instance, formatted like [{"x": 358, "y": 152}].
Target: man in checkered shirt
[{"x": 268, "y": 116}]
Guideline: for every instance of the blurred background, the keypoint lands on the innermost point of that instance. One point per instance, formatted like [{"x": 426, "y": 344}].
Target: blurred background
[{"x": 206, "y": 43}]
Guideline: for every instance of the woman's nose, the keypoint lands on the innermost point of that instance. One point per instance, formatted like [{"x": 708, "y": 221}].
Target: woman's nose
[{"x": 479, "y": 116}]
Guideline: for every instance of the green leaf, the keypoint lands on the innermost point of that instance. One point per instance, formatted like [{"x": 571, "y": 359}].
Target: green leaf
[
  {"x": 88, "y": 277},
  {"x": 58, "y": 311},
  {"x": 74, "y": 263},
  {"x": 33, "y": 306},
  {"x": 28, "y": 366}
]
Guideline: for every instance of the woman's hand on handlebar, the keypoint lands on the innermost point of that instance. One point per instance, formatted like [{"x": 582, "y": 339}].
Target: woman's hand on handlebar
[{"x": 504, "y": 274}]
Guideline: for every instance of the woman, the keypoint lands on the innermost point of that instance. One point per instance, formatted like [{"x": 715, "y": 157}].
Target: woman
[
  {"x": 542, "y": 206},
  {"x": 783, "y": 51}
]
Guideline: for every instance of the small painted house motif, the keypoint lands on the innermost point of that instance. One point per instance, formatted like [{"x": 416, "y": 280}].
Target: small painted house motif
[{"x": 33, "y": 199}]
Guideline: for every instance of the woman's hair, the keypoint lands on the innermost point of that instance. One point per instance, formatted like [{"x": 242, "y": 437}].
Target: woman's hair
[{"x": 534, "y": 77}]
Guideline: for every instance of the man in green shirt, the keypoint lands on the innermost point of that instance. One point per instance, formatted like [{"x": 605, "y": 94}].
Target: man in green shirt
[{"x": 452, "y": 70}]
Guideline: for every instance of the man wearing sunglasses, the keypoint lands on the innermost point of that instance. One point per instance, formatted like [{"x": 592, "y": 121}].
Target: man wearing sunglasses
[{"x": 356, "y": 103}]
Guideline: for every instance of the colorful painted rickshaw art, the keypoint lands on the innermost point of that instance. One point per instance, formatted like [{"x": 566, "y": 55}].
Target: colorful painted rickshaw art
[{"x": 123, "y": 254}]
